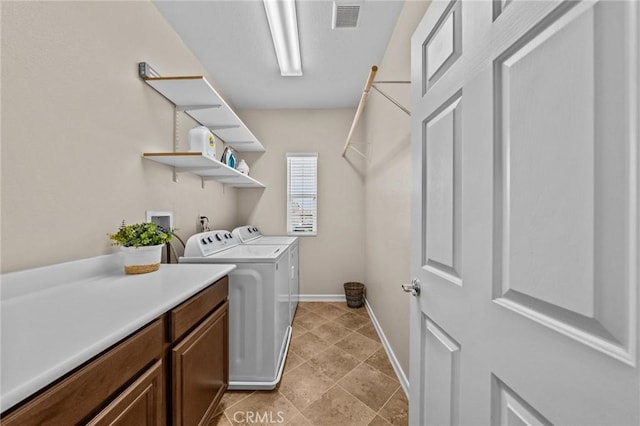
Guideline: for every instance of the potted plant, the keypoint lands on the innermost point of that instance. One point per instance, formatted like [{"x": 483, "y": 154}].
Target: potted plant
[{"x": 142, "y": 245}]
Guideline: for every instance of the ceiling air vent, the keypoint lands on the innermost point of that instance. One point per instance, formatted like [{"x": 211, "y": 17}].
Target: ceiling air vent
[{"x": 345, "y": 15}]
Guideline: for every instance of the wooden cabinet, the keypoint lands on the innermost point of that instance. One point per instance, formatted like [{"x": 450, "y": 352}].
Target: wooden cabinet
[
  {"x": 200, "y": 370},
  {"x": 74, "y": 399},
  {"x": 141, "y": 404},
  {"x": 188, "y": 314},
  {"x": 199, "y": 359},
  {"x": 175, "y": 368}
]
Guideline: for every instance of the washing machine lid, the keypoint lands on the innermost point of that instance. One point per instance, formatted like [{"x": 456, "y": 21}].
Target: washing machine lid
[
  {"x": 251, "y": 253},
  {"x": 273, "y": 239},
  {"x": 241, "y": 254}
]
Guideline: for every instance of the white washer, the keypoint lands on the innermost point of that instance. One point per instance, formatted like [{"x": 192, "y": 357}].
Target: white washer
[
  {"x": 250, "y": 234},
  {"x": 259, "y": 330}
]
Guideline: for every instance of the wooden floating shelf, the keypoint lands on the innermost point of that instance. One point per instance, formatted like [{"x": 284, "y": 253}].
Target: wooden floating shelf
[
  {"x": 202, "y": 165},
  {"x": 196, "y": 96}
]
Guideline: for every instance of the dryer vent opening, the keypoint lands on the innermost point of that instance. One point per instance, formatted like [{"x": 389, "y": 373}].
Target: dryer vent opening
[{"x": 345, "y": 15}]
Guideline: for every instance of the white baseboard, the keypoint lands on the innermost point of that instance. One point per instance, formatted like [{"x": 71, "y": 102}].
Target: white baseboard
[
  {"x": 322, "y": 298},
  {"x": 404, "y": 382}
]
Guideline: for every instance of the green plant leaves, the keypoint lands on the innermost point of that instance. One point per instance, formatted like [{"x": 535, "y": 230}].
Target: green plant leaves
[{"x": 140, "y": 235}]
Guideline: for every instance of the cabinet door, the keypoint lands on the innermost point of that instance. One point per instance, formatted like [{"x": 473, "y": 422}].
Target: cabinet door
[
  {"x": 141, "y": 404},
  {"x": 200, "y": 369}
]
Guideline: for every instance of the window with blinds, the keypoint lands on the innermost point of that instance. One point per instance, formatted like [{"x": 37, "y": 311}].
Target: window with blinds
[{"x": 302, "y": 193}]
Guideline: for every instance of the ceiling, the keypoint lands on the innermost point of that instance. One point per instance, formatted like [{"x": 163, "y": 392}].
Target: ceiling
[{"x": 233, "y": 42}]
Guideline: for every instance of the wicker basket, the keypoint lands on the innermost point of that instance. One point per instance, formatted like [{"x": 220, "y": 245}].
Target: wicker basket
[
  {"x": 141, "y": 269},
  {"x": 142, "y": 260},
  {"x": 355, "y": 294}
]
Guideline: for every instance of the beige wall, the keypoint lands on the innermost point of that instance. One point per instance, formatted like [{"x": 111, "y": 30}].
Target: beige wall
[
  {"x": 335, "y": 255},
  {"x": 76, "y": 119},
  {"x": 388, "y": 189}
]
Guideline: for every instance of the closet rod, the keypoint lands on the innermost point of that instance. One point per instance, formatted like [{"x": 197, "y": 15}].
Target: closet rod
[{"x": 363, "y": 100}]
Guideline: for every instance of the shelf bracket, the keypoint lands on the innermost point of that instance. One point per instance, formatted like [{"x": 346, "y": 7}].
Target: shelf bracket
[
  {"x": 393, "y": 101},
  {"x": 357, "y": 151}
]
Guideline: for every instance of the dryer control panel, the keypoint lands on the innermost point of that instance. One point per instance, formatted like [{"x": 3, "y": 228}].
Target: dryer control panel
[
  {"x": 247, "y": 233},
  {"x": 208, "y": 243}
]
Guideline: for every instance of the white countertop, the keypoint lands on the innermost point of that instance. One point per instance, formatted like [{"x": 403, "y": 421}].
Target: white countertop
[{"x": 55, "y": 318}]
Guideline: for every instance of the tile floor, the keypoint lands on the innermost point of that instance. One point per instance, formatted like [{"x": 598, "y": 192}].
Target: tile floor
[{"x": 337, "y": 373}]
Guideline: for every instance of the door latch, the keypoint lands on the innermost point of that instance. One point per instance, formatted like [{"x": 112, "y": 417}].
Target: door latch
[{"x": 413, "y": 288}]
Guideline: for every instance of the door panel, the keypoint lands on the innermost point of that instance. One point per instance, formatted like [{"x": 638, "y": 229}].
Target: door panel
[
  {"x": 525, "y": 155},
  {"x": 561, "y": 250},
  {"x": 510, "y": 409},
  {"x": 548, "y": 212},
  {"x": 443, "y": 46},
  {"x": 441, "y": 376},
  {"x": 442, "y": 210}
]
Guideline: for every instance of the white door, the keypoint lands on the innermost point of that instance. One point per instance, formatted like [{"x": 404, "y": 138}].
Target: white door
[{"x": 525, "y": 211}]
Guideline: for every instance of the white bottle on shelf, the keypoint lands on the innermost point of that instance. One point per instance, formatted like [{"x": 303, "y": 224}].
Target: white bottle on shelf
[{"x": 202, "y": 140}]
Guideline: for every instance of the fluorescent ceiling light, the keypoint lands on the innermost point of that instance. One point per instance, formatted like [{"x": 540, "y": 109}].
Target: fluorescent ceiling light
[{"x": 283, "y": 23}]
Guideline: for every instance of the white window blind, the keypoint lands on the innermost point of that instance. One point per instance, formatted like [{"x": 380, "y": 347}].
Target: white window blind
[{"x": 302, "y": 193}]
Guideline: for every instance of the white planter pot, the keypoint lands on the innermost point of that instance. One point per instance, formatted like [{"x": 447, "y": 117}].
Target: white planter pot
[{"x": 141, "y": 260}]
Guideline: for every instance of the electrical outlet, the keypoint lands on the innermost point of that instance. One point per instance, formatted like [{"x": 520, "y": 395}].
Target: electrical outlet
[
  {"x": 203, "y": 223},
  {"x": 164, "y": 219}
]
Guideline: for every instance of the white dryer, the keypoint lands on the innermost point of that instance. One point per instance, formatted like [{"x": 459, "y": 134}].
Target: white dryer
[
  {"x": 259, "y": 329},
  {"x": 250, "y": 234}
]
